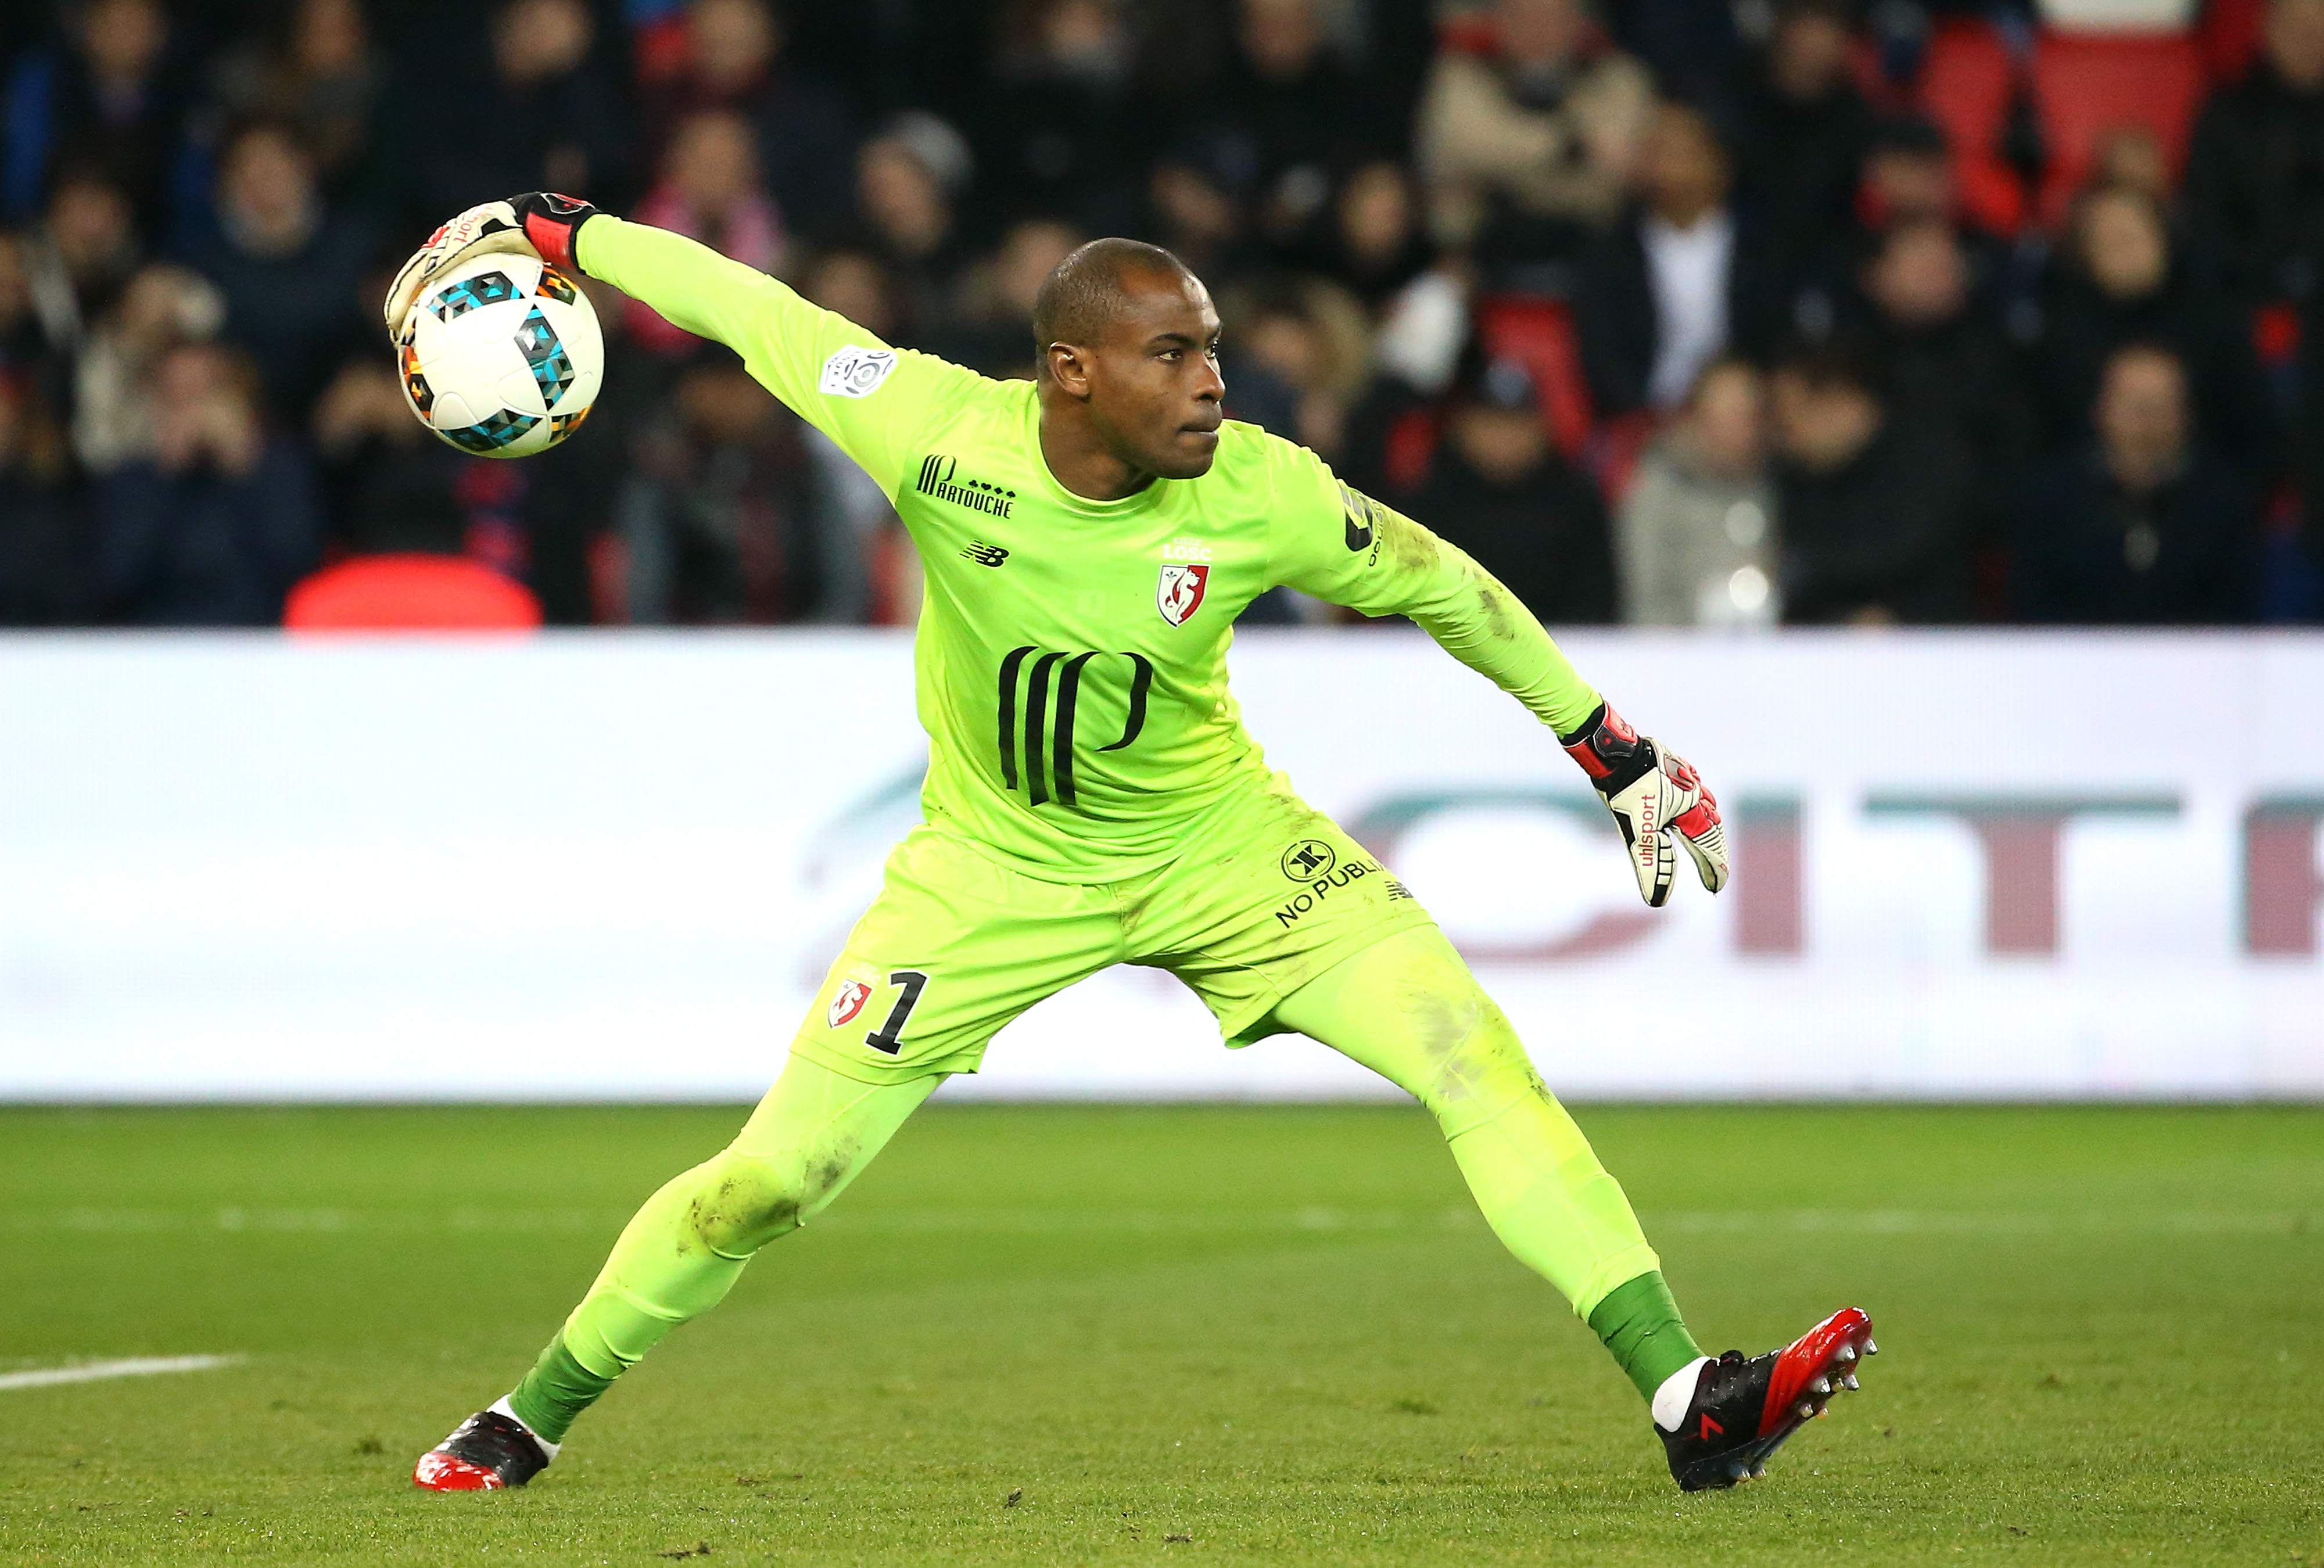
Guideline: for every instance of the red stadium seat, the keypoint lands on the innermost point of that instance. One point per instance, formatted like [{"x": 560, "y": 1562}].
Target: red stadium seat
[
  {"x": 2229, "y": 36},
  {"x": 1967, "y": 83},
  {"x": 1539, "y": 335},
  {"x": 410, "y": 593},
  {"x": 2087, "y": 85}
]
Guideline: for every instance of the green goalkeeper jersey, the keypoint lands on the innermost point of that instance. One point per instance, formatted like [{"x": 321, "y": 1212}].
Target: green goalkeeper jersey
[{"x": 1071, "y": 658}]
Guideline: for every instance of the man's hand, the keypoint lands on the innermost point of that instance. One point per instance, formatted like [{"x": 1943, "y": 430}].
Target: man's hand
[
  {"x": 1654, "y": 796},
  {"x": 539, "y": 223}
]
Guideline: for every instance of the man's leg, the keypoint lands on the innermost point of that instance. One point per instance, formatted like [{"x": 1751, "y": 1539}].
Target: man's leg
[
  {"x": 685, "y": 1247},
  {"x": 1408, "y": 1008},
  {"x": 956, "y": 944},
  {"x": 677, "y": 1257}
]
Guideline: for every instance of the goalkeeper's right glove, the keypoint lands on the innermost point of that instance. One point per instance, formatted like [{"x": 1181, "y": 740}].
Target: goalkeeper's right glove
[
  {"x": 1654, "y": 796},
  {"x": 539, "y": 222}
]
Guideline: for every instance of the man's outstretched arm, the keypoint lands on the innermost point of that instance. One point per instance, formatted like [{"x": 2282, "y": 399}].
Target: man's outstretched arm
[
  {"x": 1345, "y": 548},
  {"x": 871, "y": 399}
]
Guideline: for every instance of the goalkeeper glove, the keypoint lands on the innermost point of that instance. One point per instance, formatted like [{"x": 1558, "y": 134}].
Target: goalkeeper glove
[
  {"x": 1654, "y": 796},
  {"x": 539, "y": 222}
]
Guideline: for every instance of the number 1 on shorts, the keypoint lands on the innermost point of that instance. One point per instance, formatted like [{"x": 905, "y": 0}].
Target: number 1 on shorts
[{"x": 890, "y": 1036}]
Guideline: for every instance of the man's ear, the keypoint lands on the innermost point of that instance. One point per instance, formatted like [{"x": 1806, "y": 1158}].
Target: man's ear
[{"x": 1069, "y": 370}]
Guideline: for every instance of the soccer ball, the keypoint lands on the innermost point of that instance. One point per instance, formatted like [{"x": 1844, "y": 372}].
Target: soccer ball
[{"x": 502, "y": 355}]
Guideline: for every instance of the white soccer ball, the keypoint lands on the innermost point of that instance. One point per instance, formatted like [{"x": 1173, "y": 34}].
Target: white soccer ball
[{"x": 502, "y": 355}]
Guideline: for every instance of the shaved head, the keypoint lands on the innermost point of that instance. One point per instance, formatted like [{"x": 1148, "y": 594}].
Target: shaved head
[{"x": 1088, "y": 292}]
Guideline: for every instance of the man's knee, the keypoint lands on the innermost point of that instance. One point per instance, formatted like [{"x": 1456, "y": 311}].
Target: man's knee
[{"x": 743, "y": 1202}]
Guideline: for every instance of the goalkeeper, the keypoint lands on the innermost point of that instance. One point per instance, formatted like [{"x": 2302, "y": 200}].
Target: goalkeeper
[{"x": 1093, "y": 798}]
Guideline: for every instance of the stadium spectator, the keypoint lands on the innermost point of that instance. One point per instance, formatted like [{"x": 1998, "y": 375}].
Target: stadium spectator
[
  {"x": 385, "y": 484},
  {"x": 1289, "y": 112},
  {"x": 1805, "y": 132},
  {"x": 2256, "y": 170},
  {"x": 993, "y": 325},
  {"x": 1876, "y": 512},
  {"x": 77, "y": 261},
  {"x": 2144, "y": 528},
  {"x": 392, "y": 498},
  {"x": 1055, "y": 131},
  {"x": 1297, "y": 353},
  {"x": 717, "y": 522},
  {"x": 853, "y": 282},
  {"x": 114, "y": 393},
  {"x": 709, "y": 190},
  {"x": 287, "y": 265},
  {"x": 1669, "y": 289},
  {"x": 47, "y": 570},
  {"x": 1500, "y": 490},
  {"x": 1374, "y": 244},
  {"x": 861, "y": 552},
  {"x": 1945, "y": 360},
  {"x": 2118, "y": 281},
  {"x": 26, "y": 349},
  {"x": 907, "y": 180},
  {"x": 1696, "y": 539},
  {"x": 735, "y": 55},
  {"x": 1528, "y": 145},
  {"x": 315, "y": 70},
  {"x": 1197, "y": 207},
  {"x": 532, "y": 111},
  {"x": 216, "y": 526},
  {"x": 113, "y": 102}
]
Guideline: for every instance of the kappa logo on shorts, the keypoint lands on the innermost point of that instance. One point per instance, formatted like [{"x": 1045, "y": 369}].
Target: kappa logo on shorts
[
  {"x": 1325, "y": 883},
  {"x": 849, "y": 1002},
  {"x": 1308, "y": 859}
]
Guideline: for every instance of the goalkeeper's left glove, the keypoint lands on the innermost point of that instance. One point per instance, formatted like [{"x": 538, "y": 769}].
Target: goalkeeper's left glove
[
  {"x": 1654, "y": 796},
  {"x": 539, "y": 222}
]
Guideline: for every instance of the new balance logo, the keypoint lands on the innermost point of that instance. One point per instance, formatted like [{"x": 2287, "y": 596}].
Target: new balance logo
[
  {"x": 1362, "y": 516},
  {"x": 939, "y": 478},
  {"x": 984, "y": 555},
  {"x": 1047, "y": 732}
]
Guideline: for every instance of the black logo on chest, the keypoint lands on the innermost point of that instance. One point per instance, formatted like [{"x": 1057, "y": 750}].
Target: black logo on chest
[
  {"x": 984, "y": 555},
  {"x": 940, "y": 477}
]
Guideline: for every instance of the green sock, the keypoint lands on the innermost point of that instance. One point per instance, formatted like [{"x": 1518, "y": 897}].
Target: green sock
[
  {"x": 1639, "y": 1324},
  {"x": 556, "y": 1389}
]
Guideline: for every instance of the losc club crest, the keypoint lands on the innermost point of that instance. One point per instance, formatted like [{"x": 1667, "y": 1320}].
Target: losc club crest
[
  {"x": 1180, "y": 593},
  {"x": 850, "y": 1001}
]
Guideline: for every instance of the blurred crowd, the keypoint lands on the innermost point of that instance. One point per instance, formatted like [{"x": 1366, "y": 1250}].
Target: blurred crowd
[{"x": 1673, "y": 312}]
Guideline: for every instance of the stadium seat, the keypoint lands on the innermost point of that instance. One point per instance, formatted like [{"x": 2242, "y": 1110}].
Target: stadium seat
[
  {"x": 2229, "y": 36},
  {"x": 410, "y": 593},
  {"x": 2086, "y": 85},
  {"x": 1538, "y": 333},
  {"x": 1967, "y": 85}
]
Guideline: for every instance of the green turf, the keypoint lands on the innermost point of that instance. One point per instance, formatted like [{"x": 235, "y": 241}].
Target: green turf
[{"x": 1225, "y": 1334}]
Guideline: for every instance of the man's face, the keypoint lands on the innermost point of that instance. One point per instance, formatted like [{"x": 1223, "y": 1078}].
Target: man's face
[
  {"x": 2295, "y": 42},
  {"x": 1152, "y": 379},
  {"x": 2142, "y": 416},
  {"x": 1920, "y": 277}
]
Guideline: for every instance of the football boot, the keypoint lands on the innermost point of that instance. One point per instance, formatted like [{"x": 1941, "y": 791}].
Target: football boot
[
  {"x": 485, "y": 1452},
  {"x": 1744, "y": 1409}
]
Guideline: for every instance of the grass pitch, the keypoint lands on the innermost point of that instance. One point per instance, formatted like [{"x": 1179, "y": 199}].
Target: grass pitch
[{"x": 1230, "y": 1335}]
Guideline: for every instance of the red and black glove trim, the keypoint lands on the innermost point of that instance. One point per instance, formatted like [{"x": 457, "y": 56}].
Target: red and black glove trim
[
  {"x": 552, "y": 222},
  {"x": 1609, "y": 751}
]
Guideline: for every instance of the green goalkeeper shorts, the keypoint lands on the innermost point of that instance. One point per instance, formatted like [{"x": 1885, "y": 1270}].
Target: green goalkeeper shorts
[{"x": 1269, "y": 895}]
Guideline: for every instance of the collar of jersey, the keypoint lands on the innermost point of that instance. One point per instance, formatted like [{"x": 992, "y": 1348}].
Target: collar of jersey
[{"x": 1131, "y": 505}]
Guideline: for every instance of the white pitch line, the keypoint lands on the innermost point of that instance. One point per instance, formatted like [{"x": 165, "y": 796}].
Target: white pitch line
[{"x": 129, "y": 1367}]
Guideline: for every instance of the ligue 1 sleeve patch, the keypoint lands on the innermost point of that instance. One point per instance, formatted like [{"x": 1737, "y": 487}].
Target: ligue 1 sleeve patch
[{"x": 856, "y": 372}]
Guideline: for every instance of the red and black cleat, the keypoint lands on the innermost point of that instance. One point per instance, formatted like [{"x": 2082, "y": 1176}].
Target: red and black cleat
[
  {"x": 1743, "y": 1409},
  {"x": 485, "y": 1452}
]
